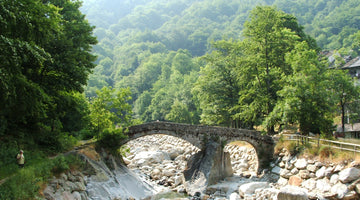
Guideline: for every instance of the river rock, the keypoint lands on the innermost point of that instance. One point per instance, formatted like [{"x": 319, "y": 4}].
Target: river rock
[
  {"x": 311, "y": 168},
  {"x": 320, "y": 173},
  {"x": 76, "y": 195},
  {"x": 349, "y": 174},
  {"x": 309, "y": 184},
  {"x": 304, "y": 174},
  {"x": 301, "y": 163},
  {"x": 292, "y": 193},
  {"x": 249, "y": 188},
  {"x": 323, "y": 185},
  {"x": 276, "y": 170},
  {"x": 352, "y": 195},
  {"x": 126, "y": 160},
  {"x": 49, "y": 193},
  {"x": 338, "y": 168},
  {"x": 357, "y": 188},
  {"x": 329, "y": 171},
  {"x": 295, "y": 180},
  {"x": 340, "y": 189},
  {"x": 149, "y": 157},
  {"x": 285, "y": 173},
  {"x": 282, "y": 181},
  {"x": 334, "y": 179},
  {"x": 234, "y": 196},
  {"x": 265, "y": 194},
  {"x": 294, "y": 171}
]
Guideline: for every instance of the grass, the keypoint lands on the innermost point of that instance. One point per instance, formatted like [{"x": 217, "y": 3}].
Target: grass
[
  {"x": 27, "y": 182},
  {"x": 322, "y": 153},
  {"x": 350, "y": 140}
]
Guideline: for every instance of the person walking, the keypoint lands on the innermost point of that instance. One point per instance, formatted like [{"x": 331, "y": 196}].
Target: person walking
[{"x": 21, "y": 159}]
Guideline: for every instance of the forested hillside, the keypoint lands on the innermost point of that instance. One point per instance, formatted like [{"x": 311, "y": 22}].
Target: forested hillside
[
  {"x": 236, "y": 63},
  {"x": 157, "y": 48}
]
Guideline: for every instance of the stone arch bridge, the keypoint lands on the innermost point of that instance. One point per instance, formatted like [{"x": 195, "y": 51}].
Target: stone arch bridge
[{"x": 201, "y": 136}]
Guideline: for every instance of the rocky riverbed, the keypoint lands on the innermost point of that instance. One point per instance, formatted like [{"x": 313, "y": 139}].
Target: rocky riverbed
[
  {"x": 164, "y": 158},
  {"x": 159, "y": 160}
]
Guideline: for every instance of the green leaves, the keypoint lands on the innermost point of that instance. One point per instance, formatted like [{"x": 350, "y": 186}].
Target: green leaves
[
  {"x": 45, "y": 55},
  {"x": 110, "y": 109}
]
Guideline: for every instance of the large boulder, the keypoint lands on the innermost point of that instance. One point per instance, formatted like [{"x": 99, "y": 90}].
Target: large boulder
[
  {"x": 150, "y": 157},
  {"x": 249, "y": 188},
  {"x": 349, "y": 174},
  {"x": 292, "y": 193}
]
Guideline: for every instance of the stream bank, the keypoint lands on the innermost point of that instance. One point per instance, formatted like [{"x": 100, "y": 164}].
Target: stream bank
[{"x": 155, "y": 165}]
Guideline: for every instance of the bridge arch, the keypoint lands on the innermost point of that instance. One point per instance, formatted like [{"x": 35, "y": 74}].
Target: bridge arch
[{"x": 199, "y": 134}]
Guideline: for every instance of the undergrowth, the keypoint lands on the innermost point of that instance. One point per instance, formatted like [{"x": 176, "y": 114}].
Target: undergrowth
[{"x": 25, "y": 184}]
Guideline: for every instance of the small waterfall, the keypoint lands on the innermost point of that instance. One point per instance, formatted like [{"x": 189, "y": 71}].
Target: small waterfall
[{"x": 108, "y": 179}]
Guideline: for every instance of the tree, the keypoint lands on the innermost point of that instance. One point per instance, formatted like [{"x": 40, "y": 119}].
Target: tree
[
  {"x": 269, "y": 35},
  {"x": 179, "y": 113},
  {"x": 45, "y": 53},
  {"x": 110, "y": 109},
  {"x": 344, "y": 91},
  {"x": 22, "y": 53},
  {"x": 306, "y": 98},
  {"x": 217, "y": 87}
]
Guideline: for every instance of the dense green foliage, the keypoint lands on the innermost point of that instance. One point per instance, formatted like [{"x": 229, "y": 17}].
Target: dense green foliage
[
  {"x": 45, "y": 62},
  {"x": 236, "y": 63},
  {"x": 154, "y": 48}
]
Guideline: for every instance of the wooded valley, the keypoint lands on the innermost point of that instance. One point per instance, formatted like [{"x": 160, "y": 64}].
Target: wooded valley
[{"x": 71, "y": 70}]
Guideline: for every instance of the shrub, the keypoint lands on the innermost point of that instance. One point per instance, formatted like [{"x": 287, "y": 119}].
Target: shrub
[
  {"x": 60, "y": 165},
  {"x": 111, "y": 139},
  {"x": 66, "y": 141},
  {"x": 325, "y": 152},
  {"x": 292, "y": 147},
  {"x": 85, "y": 134}
]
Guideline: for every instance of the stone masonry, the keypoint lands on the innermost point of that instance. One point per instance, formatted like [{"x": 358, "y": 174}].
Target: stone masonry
[{"x": 198, "y": 135}]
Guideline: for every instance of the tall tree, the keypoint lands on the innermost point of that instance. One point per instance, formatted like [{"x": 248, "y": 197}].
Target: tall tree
[
  {"x": 344, "y": 91},
  {"x": 24, "y": 31},
  {"x": 269, "y": 35},
  {"x": 45, "y": 53},
  {"x": 217, "y": 87},
  {"x": 306, "y": 98}
]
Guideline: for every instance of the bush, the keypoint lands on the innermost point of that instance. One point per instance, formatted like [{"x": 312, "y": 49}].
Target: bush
[
  {"x": 9, "y": 148},
  {"x": 84, "y": 134},
  {"x": 111, "y": 139},
  {"x": 325, "y": 152},
  {"x": 292, "y": 147},
  {"x": 66, "y": 141},
  {"x": 60, "y": 165}
]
